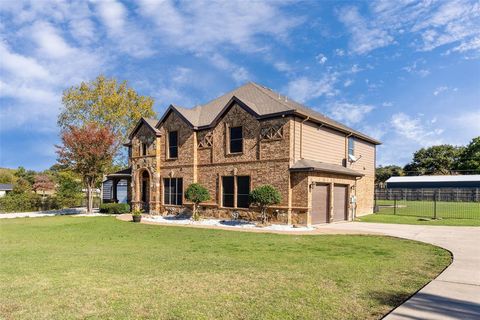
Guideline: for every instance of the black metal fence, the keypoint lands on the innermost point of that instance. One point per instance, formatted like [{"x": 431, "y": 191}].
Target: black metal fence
[{"x": 429, "y": 203}]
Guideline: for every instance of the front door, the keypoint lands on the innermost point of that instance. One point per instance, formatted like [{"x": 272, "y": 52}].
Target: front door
[{"x": 145, "y": 192}]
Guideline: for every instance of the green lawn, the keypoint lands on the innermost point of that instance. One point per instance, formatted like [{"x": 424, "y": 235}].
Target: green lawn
[
  {"x": 97, "y": 268},
  {"x": 389, "y": 218},
  {"x": 447, "y": 210}
]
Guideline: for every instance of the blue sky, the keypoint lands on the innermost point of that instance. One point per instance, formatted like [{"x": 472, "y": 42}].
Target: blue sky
[{"x": 405, "y": 72}]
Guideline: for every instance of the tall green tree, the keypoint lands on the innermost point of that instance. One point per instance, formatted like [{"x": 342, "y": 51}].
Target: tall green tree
[
  {"x": 470, "y": 157},
  {"x": 439, "y": 160},
  {"x": 28, "y": 175},
  {"x": 106, "y": 102},
  {"x": 383, "y": 173}
]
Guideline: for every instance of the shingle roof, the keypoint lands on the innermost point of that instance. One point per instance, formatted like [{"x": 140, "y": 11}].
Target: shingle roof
[
  {"x": 152, "y": 123},
  {"x": 312, "y": 165},
  {"x": 421, "y": 179},
  {"x": 262, "y": 102}
]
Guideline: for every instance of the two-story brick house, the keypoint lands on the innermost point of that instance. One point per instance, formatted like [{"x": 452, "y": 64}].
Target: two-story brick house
[{"x": 249, "y": 137}]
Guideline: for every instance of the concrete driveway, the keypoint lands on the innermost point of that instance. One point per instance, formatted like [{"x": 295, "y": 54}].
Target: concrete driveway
[{"x": 455, "y": 293}]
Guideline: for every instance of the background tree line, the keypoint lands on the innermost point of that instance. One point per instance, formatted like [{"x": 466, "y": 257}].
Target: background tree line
[
  {"x": 95, "y": 120},
  {"x": 55, "y": 188},
  {"x": 443, "y": 159}
]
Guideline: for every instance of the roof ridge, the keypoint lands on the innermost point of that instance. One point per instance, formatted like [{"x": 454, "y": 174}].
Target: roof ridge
[{"x": 259, "y": 88}]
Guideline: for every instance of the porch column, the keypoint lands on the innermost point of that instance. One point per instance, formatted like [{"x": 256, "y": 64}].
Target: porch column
[{"x": 114, "y": 190}]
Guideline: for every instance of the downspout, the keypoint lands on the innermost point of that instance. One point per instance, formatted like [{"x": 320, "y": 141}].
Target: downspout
[
  {"x": 301, "y": 136},
  {"x": 354, "y": 204}
]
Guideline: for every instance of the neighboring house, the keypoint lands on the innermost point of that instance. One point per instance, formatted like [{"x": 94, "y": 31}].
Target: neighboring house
[
  {"x": 5, "y": 188},
  {"x": 246, "y": 138}
]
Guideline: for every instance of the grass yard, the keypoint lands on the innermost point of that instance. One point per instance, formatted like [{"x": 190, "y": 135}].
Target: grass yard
[
  {"x": 446, "y": 210},
  {"x": 401, "y": 219},
  {"x": 97, "y": 268}
]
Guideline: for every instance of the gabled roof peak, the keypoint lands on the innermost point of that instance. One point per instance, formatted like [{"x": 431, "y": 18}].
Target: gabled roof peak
[{"x": 262, "y": 102}]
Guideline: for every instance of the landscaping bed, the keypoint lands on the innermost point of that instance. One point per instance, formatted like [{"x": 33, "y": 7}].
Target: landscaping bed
[
  {"x": 76, "y": 268},
  {"x": 239, "y": 224}
]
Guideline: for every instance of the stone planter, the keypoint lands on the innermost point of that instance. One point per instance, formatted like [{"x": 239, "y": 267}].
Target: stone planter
[{"x": 136, "y": 218}]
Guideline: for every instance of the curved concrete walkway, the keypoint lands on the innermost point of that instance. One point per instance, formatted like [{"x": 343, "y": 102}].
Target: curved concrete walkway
[{"x": 455, "y": 293}]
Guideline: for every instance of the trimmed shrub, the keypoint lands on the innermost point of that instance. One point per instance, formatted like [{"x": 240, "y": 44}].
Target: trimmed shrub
[
  {"x": 265, "y": 196},
  {"x": 114, "y": 208},
  {"x": 196, "y": 193}
]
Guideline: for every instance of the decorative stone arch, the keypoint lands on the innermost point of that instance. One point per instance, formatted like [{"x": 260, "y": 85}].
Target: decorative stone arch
[{"x": 144, "y": 189}]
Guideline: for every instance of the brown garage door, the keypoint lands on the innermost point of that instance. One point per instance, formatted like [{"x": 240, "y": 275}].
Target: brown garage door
[
  {"x": 320, "y": 204},
  {"x": 339, "y": 203}
]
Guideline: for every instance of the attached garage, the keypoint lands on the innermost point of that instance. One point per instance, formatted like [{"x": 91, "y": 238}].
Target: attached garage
[
  {"x": 320, "y": 203},
  {"x": 340, "y": 195},
  {"x": 328, "y": 187}
]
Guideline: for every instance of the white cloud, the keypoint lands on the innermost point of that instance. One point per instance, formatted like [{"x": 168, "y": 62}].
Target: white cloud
[
  {"x": 339, "y": 52},
  {"x": 417, "y": 68},
  {"x": 431, "y": 24},
  {"x": 21, "y": 66},
  {"x": 282, "y": 66},
  {"x": 321, "y": 58},
  {"x": 349, "y": 113},
  {"x": 415, "y": 130},
  {"x": 128, "y": 37},
  {"x": 202, "y": 26},
  {"x": 303, "y": 89},
  {"x": 348, "y": 83},
  {"x": 239, "y": 73},
  {"x": 387, "y": 104},
  {"x": 439, "y": 90},
  {"x": 365, "y": 36},
  {"x": 49, "y": 42}
]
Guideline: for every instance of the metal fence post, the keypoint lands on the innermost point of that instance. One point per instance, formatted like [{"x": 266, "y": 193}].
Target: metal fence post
[
  {"x": 394, "y": 204},
  {"x": 435, "y": 205}
]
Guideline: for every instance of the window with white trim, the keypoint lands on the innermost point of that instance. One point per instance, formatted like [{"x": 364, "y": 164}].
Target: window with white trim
[{"x": 351, "y": 146}]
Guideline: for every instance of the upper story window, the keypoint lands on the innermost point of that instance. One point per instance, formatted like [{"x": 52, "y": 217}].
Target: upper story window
[
  {"x": 144, "y": 149},
  {"x": 236, "y": 140},
  {"x": 351, "y": 146},
  {"x": 173, "y": 144}
]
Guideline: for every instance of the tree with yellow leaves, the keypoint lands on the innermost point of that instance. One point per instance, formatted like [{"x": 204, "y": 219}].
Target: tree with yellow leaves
[{"x": 106, "y": 102}]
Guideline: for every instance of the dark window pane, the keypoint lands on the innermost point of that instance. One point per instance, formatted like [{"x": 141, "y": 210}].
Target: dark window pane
[
  {"x": 173, "y": 144},
  {"x": 179, "y": 199},
  {"x": 228, "y": 201},
  {"x": 144, "y": 149},
  {"x": 236, "y": 139},
  {"x": 173, "y": 152},
  {"x": 243, "y": 190},
  {"x": 236, "y": 146},
  {"x": 236, "y": 133},
  {"x": 166, "y": 191},
  {"x": 243, "y": 184},
  {"x": 173, "y": 191},
  {"x": 227, "y": 183},
  {"x": 228, "y": 190},
  {"x": 242, "y": 201}
]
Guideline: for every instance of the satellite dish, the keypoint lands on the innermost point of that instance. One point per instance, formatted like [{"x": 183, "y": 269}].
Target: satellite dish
[{"x": 352, "y": 158}]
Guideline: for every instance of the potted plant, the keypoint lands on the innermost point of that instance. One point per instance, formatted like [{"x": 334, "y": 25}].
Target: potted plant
[{"x": 137, "y": 215}]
